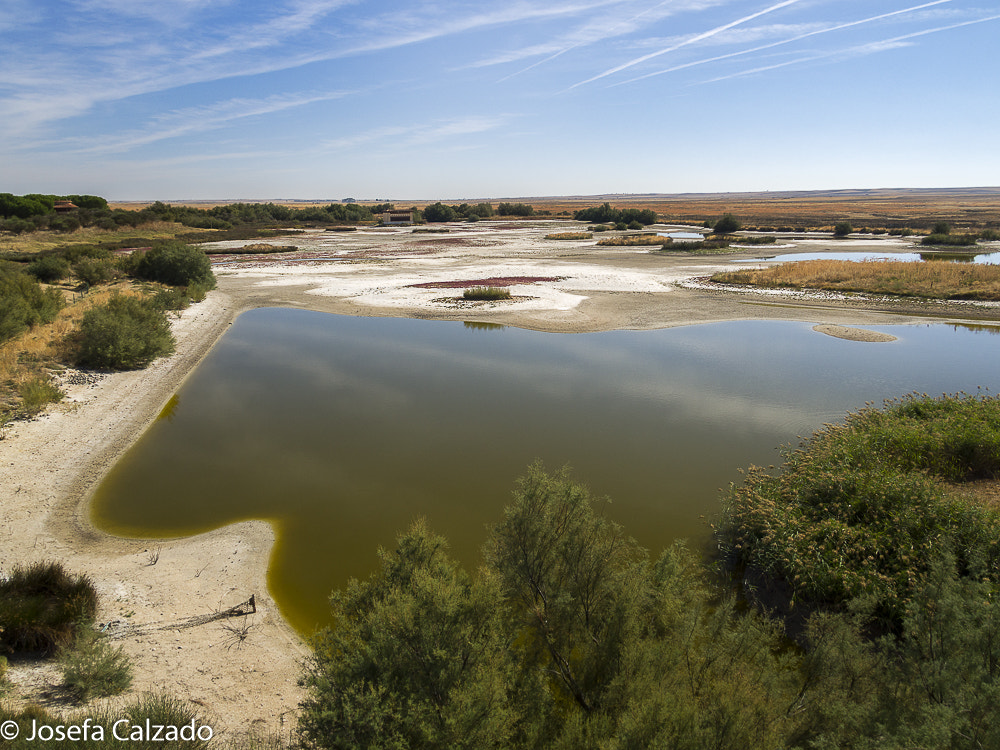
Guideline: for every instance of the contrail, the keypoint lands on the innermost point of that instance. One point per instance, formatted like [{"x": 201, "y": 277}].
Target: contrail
[
  {"x": 784, "y": 41},
  {"x": 692, "y": 40},
  {"x": 584, "y": 42},
  {"x": 857, "y": 49}
]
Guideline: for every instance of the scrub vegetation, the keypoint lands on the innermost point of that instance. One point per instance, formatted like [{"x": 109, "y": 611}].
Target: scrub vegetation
[
  {"x": 571, "y": 635},
  {"x": 82, "y": 304},
  {"x": 932, "y": 279}
]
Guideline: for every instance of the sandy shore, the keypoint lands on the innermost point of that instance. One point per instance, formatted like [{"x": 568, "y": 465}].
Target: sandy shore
[{"x": 162, "y": 613}]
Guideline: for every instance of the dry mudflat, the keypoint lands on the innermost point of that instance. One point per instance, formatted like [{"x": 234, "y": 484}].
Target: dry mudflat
[{"x": 160, "y": 598}]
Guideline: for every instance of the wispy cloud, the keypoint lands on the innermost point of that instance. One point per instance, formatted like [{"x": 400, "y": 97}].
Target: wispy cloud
[
  {"x": 209, "y": 117},
  {"x": 410, "y": 135},
  {"x": 861, "y": 50},
  {"x": 789, "y": 40},
  {"x": 595, "y": 31},
  {"x": 690, "y": 40}
]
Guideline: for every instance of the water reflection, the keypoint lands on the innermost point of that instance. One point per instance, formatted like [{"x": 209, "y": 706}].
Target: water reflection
[{"x": 340, "y": 431}]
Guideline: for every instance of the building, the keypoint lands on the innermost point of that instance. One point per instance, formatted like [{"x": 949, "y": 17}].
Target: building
[
  {"x": 64, "y": 207},
  {"x": 398, "y": 217}
]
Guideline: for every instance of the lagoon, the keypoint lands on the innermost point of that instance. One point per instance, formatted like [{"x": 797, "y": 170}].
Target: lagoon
[{"x": 340, "y": 431}]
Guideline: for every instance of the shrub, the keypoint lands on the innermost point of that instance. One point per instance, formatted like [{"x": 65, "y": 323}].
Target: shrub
[
  {"x": 127, "y": 333},
  {"x": 92, "y": 668},
  {"x": 941, "y": 227},
  {"x": 486, "y": 293},
  {"x": 94, "y": 271},
  {"x": 176, "y": 264},
  {"x": 49, "y": 268},
  {"x": 726, "y": 225},
  {"x": 861, "y": 510},
  {"x": 989, "y": 235},
  {"x": 42, "y": 606},
  {"x": 37, "y": 393},
  {"x": 842, "y": 229},
  {"x": 170, "y": 298},
  {"x": 23, "y": 303}
]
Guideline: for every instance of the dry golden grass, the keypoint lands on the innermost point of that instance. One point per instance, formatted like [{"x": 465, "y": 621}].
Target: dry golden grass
[
  {"x": 627, "y": 240},
  {"x": 570, "y": 236},
  {"x": 932, "y": 279}
]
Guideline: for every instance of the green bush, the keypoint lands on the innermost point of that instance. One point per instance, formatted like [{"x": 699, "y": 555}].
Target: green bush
[
  {"x": 726, "y": 225},
  {"x": 862, "y": 508},
  {"x": 42, "y": 607},
  {"x": 171, "y": 298},
  {"x": 94, "y": 271},
  {"x": 176, "y": 264},
  {"x": 49, "y": 268},
  {"x": 842, "y": 229},
  {"x": 127, "y": 333},
  {"x": 23, "y": 303},
  {"x": 93, "y": 668}
]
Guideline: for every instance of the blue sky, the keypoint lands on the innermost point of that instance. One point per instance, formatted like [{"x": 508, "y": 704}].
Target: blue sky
[{"x": 173, "y": 99}]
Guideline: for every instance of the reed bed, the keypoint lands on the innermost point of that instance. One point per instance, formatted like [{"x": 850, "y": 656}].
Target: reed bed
[
  {"x": 632, "y": 240},
  {"x": 931, "y": 279}
]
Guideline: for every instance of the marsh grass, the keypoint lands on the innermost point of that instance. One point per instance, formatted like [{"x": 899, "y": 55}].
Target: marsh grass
[
  {"x": 570, "y": 236},
  {"x": 631, "y": 240},
  {"x": 487, "y": 293},
  {"x": 43, "y": 607},
  {"x": 862, "y": 509},
  {"x": 931, "y": 279}
]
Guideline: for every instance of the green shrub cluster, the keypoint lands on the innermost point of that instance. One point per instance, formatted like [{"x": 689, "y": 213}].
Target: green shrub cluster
[
  {"x": 625, "y": 216},
  {"x": 726, "y": 225},
  {"x": 570, "y": 636},
  {"x": 23, "y": 302},
  {"x": 43, "y": 607},
  {"x": 176, "y": 264},
  {"x": 126, "y": 333},
  {"x": 49, "y": 268},
  {"x": 862, "y": 508}
]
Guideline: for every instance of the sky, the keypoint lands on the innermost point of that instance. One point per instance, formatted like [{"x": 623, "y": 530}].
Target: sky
[{"x": 329, "y": 99}]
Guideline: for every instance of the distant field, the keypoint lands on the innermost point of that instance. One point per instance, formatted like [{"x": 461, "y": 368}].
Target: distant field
[{"x": 972, "y": 208}]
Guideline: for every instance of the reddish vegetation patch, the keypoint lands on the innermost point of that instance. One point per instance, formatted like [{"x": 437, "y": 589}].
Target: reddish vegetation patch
[{"x": 493, "y": 281}]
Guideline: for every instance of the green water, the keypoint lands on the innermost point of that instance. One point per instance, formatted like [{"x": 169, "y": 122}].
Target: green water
[{"x": 341, "y": 431}]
